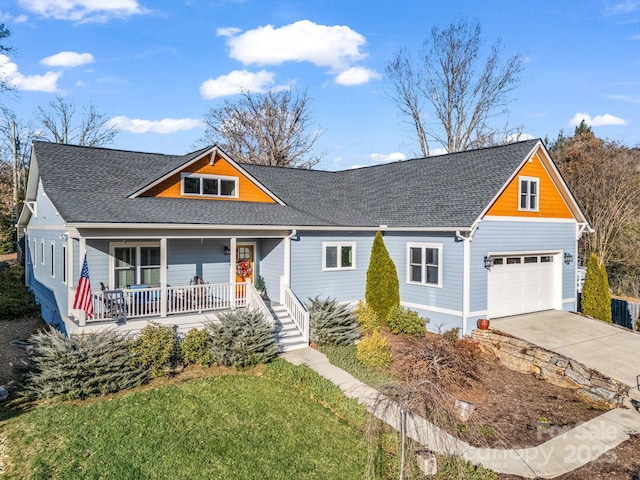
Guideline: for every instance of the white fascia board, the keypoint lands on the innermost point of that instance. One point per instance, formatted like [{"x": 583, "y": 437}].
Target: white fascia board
[
  {"x": 211, "y": 151},
  {"x": 507, "y": 183},
  {"x": 190, "y": 226}
]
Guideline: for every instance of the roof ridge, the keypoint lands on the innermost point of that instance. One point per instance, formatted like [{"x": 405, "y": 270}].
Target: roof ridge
[{"x": 123, "y": 150}]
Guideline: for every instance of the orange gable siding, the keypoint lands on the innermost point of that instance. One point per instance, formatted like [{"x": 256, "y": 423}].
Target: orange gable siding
[
  {"x": 550, "y": 202},
  {"x": 247, "y": 190}
]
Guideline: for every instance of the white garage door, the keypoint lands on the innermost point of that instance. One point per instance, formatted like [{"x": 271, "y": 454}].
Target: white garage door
[{"x": 521, "y": 284}]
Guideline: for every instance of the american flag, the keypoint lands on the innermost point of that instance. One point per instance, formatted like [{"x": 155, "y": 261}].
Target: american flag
[{"x": 84, "y": 299}]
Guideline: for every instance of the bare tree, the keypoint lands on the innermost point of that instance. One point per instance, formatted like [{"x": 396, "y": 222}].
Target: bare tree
[
  {"x": 4, "y": 50},
  {"x": 605, "y": 178},
  {"x": 61, "y": 124},
  {"x": 463, "y": 94},
  {"x": 270, "y": 128}
]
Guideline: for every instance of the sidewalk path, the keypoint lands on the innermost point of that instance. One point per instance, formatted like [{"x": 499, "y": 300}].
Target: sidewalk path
[{"x": 557, "y": 456}]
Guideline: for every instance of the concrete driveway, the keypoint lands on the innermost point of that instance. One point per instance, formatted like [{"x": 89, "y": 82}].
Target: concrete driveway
[{"x": 611, "y": 350}]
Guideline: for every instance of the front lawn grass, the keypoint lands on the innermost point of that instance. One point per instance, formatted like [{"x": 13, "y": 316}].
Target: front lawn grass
[{"x": 221, "y": 427}]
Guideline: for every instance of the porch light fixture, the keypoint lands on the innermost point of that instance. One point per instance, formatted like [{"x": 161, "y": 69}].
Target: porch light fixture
[
  {"x": 488, "y": 263},
  {"x": 227, "y": 251},
  {"x": 568, "y": 258}
]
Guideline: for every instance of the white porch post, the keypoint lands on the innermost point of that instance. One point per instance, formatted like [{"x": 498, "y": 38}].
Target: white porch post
[
  {"x": 466, "y": 283},
  {"x": 285, "y": 280},
  {"x": 232, "y": 270},
  {"x": 163, "y": 277},
  {"x": 69, "y": 267}
]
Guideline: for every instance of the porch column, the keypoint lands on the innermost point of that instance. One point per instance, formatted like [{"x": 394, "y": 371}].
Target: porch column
[
  {"x": 232, "y": 270},
  {"x": 70, "y": 275},
  {"x": 163, "y": 277}
]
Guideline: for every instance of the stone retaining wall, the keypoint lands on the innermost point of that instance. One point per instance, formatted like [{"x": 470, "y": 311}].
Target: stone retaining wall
[{"x": 525, "y": 357}]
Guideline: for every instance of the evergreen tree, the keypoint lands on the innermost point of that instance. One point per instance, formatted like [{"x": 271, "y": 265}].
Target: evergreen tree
[
  {"x": 383, "y": 289},
  {"x": 596, "y": 299}
]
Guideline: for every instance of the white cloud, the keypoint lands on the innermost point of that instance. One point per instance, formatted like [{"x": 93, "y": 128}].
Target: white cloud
[
  {"x": 336, "y": 47},
  {"x": 164, "y": 126},
  {"x": 84, "y": 10},
  {"x": 597, "y": 121},
  {"x": 227, "y": 31},
  {"x": 623, "y": 7},
  {"x": 235, "y": 82},
  {"x": 519, "y": 137},
  {"x": 6, "y": 17},
  {"x": 68, "y": 59},
  {"x": 356, "y": 76},
  {"x": 37, "y": 83},
  {"x": 391, "y": 157}
]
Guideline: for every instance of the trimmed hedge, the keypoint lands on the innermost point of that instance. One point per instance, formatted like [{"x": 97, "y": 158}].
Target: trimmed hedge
[{"x": 403, "y": 321}]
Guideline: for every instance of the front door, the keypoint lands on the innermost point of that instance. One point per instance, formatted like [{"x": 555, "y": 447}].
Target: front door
[{"x": 244, "y": 263}]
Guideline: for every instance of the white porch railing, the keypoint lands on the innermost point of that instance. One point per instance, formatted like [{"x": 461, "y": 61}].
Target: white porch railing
[
  {"x": 147, "y": 302},
  {"x": 297, "y": 311}
]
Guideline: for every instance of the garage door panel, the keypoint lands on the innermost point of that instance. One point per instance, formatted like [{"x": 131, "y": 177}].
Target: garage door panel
[{"x": 515, "y": 288}]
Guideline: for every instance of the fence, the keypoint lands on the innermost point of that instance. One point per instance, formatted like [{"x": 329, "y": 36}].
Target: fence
[{"x": 623, "y": 312}]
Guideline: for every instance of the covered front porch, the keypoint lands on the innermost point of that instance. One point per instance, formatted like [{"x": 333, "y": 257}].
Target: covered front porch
[{"x": 183, "y": 279}]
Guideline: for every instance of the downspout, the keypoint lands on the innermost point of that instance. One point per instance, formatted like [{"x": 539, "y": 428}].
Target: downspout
[{"x": 466, "y": 278}]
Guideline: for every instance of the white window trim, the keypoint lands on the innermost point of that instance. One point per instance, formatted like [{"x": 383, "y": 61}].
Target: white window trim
[
  {"x": 530, "y": 180},
  {"x": 138, "y": 270},
  {"x": 424, "y": 246},
  {"x": 52, "y": 251},
  {"x": 216, "y": 177},
  {"x": 339, "y": 245},
  {"x": 34, "y": 254},
  {"x": 42, "y": 260},
  {"x": 65, "y": 260}
]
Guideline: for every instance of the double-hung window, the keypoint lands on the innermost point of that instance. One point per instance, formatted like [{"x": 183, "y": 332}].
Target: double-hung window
[
  {"x": 135, "y": 265},
  {"x": 209, "y": 186},
  {"x": 338, "y": 256},
  {"x": 424, "y": 264},
  {"x": 529, "y": 192}
]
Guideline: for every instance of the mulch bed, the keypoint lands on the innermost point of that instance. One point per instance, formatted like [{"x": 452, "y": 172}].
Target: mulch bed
[{"x": 522, "y": 410}]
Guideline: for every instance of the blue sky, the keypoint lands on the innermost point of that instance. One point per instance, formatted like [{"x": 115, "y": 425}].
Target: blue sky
[{"x": 156, "y": 67}]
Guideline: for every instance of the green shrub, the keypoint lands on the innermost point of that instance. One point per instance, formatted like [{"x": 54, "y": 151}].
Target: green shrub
[
  {"x": 242, "y": 339},
  {"x": 81, "y": 366},
  {"x": 196, "y": 347},
  {"x": 332, "y": 323},
  {"x": 157, "y": 348},
  {"x": 403, "y": 321},
  {"x": 452, "y": 336},
  {"x": 16, "y": 300},
  {"x": 383, "y": 289},
  {"x": 596, "y": 298},
  {"x": 367, "y": 318},
  {"x": 374, "y": 351}
]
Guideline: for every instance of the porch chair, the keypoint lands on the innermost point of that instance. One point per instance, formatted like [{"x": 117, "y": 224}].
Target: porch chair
[{"x": 115, "y": 305}]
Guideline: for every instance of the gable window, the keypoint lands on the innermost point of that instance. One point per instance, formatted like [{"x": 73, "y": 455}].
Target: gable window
[
  {"x": 338, "y": 256},
  {"x": 136, "y": 265},
  {"x": 209, "y": 185},
  {"x": 529, "y": 194},
  {"x": 424, "y": 264}
]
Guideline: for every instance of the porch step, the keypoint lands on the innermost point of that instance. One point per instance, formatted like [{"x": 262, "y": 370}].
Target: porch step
[{"x": 287, "y": 334}]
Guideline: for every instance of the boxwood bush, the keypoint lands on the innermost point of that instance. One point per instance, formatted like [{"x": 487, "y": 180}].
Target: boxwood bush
[
  {"x": 157, "y": 348},
  {"x": 403, "y": 321}
]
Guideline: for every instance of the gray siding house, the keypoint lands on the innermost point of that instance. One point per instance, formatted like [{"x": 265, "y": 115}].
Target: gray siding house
[{"x": 477, "y": 234}]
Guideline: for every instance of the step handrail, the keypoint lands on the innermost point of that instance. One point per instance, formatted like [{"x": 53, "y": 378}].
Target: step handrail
[{"x": 297, "y": 311}]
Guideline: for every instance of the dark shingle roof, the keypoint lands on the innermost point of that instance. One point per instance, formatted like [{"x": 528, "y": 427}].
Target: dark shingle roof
[{"x": 93, "y": 185}]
